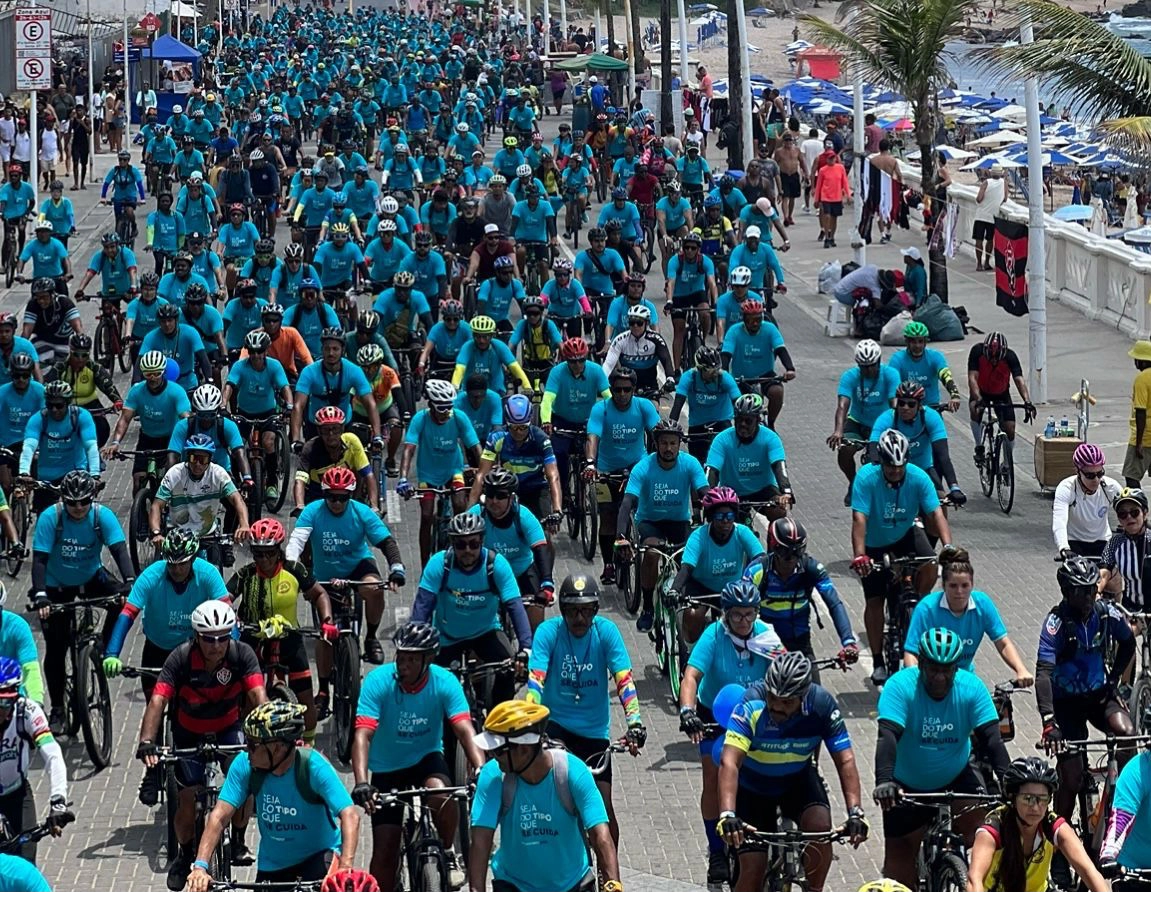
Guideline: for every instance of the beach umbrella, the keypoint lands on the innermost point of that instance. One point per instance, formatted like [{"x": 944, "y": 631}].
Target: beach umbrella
[
  {"x": 760, "y": 11},
  {"x": 702, "y": 7},
  {"x": 1011, "y": 112},
  {"x": 988, "y": 162},
  {"x": 1047, "y": 120},
  {"x": 1054, "y": 158},
  {"x": 1074, "y": 213},
  {"x": 999, "y": 138},
  {"x": 977, "y": 118},
  {"x": 828, "y": 107},
  {"x": 1051, "y": 142},
  {"x": 903, "y": 125}
]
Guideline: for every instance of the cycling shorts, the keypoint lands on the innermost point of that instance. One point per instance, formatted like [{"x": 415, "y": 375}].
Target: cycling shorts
[
  {"x": 680, "y": 304},
  {"x": 799, "y": 792},
  {"x": 293, "y": 655},
  {"x": 315, "y": 867},
  {"x": 913, "y": 542},
  {"x": 429, "y": 498},
  {"x": 414, "y": 777},
  {"x": 1074, "y": 712},
  {"x": 145, "y": 443},
  {"x": 529, "y": 584},
  {"x": 674, "y": 532},
  {"x": 609, "y": 494},
  {"x": 584, "y": 748},
  {"x": 538, "y": 500},
  {"x": 1001, "y": 403},
  {"x": 189, "y": 772}
]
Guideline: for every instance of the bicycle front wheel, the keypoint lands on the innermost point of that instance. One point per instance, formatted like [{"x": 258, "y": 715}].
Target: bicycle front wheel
[
  {"x": 1004, "y": 474},
  {"x": 1141, "y": 704},
  {"x": 429, "y": 873},
  {"x": 589, "y": 533},
  {"x": 255, "y": 497},
  {"x": 19, "y": 507},
  {"x": 345, "y": 693},
  {"x": 94, "y": 706},
  {"x": 140, "y": 541},
  {"x": 103, "y": 346},
  {"x": 574, "y": 511},
  {"x": 987, "y": 469},
  {"x": 949, "y": 874}
]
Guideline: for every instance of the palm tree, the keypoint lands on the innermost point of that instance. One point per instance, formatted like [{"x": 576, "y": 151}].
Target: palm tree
[
  {"x": 901, "y": 44},
  {"x": 1102, "y": 74}
]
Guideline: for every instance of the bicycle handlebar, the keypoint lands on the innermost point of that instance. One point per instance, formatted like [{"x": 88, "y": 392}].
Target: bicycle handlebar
[{"x": 790, "y": 836}]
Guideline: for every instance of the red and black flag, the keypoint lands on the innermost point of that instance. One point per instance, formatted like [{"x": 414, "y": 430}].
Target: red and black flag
[{"x": 1011, "y": 266}]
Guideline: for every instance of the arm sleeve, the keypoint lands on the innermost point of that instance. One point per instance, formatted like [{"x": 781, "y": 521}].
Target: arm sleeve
[
  {"x": 989, "y": 738},
  {"x": 886, "y": 746},
  {"x": 825, "y": 586}
]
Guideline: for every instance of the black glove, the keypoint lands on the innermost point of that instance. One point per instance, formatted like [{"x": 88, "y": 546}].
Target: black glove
[
  {"x": 729, "y": 826},
  {"x": 1052, "y": 735},
  {"x": 886, "y": 792},
  {"x": 1109, "y": 869},
  {"x": 522, "y": 657},
  {"x": 40, "y": 600},
  {"x": 58, "y": 813},
  {"x": 295, "y": 512},
  {"x": 958, "y": 497},
  {"x": 689, "y": 722},
  {"x": 363, "y": 794},
  {"x": 637, "y": 735},
  {"x": 297, "y": 446},
  {"x": 1064, "y": 554},
  {"x": 145, "y": 749},
  {"x": 1029, "y": 413},
  {"x": 856, "y": 826}
]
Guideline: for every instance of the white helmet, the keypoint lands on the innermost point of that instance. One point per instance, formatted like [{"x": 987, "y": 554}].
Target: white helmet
[
  {"x": 524, "y": 171},
  {"x": 893, "y": 447},
  {"x": 213, "y": 616},
  {"x": 868, "y": 352},
  {"x": 639, "y": 311},
  {"x": 389, "y": 205},
  {"x": 387, "y": 226},
  {"x": 462, "y": 128},
  {"x": 177, "y": 109},
  {"x": 740, "y": 276},
  {"x": 440, "y": 392},
  {"x": 206, "y": 398},
  {"x": 256, "y": 156}
]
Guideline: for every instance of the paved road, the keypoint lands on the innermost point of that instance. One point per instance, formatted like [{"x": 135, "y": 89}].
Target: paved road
[{"x": 117, "y": 844}]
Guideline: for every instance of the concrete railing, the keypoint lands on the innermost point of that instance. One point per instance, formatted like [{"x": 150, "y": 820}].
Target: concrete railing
[{"x": 1104, "y": 279}]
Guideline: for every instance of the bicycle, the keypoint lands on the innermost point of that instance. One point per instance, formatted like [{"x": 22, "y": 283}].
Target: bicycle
[
  {"x": 126, "y": 223},
  {"x": 647, "y": 223},
  {"x": 257, "y": 498},
  {"x": 14, "y": 237},
  {"x": 168, "y": 794},
  {"x": 347, "y": 612},
  {"x": 1140, "y": 701},
  {"x": 693, "y": 337},
  {"x": 296, "y": 885},
  {"x": 442, "y": 516},
  {"x": 671, "y": 652},
  {"x": 21, "y": 510},
  {"x": 581, "y": 514},
  {"x": 109, "y": 345},
  {"x": 140, "y": 545},
  {"x": 87, "y": 701},
  {"x": 785, "y": 847},
  {"x": 901, "y": 599},
  {"x": 573, "y": 217},
  {"x": 12, "y": 844},
  {"x": 276, "y": 674},
  {"x": 218, "y": 549},
  {"x": 941, "y": 862},
  {"x": 995, "y": 464},
  {"x": 478, "y": 680},
  {"x": 420, "y": 846},
  {"x": 375, "y": 453}
]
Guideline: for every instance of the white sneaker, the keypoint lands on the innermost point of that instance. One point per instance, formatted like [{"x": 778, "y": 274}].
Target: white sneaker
[
  {"x": 879, "y": 674},
  {"x": 456, "y": 878}
]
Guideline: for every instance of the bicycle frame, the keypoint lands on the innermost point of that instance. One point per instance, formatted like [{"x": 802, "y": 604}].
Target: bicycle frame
[{"x": 941, "y": 840}]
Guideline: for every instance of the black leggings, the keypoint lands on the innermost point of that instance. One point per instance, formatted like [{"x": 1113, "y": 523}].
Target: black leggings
[
  {"x": 19, "y": 809},
  {"x": 58, "y": 632},
  {"x": 308, "y": 870}
]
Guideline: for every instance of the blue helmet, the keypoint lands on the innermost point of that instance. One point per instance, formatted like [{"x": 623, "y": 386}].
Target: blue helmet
[
  {"x": 711, "y": 200},
  {"x": 619, "y": 193},
  {"x": 308, "y": 284},
  {"x": 739, "y": 594},
  {"x": 518, "y": 410},
  {"x": 200, "y": 442},
  {"x": 11, "y": 674}
]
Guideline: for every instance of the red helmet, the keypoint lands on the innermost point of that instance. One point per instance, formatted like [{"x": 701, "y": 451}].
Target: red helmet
[
  {"x": 718, "y": 496},
  {"x": 267, "y": 532},
  {"x": 236, "y": 207},
  {"x": 339, "y": 478},
  {"x": 751, "y": 307},
  {"x": 15, "y": 169},
  {"x": 330, "y": 414},
  {"x": 573, "y": 348},
  {"x": 350, "y": 881}
]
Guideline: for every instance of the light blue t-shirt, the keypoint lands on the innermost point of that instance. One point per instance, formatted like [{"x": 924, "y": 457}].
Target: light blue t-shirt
[
  {"x": 721, "y": 663},
  {"x": 15, "y": 410},
  {"x": 485, "y": 420},
  {"x": 924, "y": 371},
  {"x": 466, "y": 607},
  {"x": 868, "y": 397},
  {"x": 936, "y": 741},
  {"x": 489, "y": 362},
  {"x": 340, "y": 541},
  {"x": 411, "y": 724},
  {"x": 746, "y": 467},
  {"x": 715, "y": 566},
  {"x": 257, "y": 392},
  {"x": 323, "y": 387},
  {"x": 576, "y": 397},
  {"x": 752, "y": 355},
  {"x": 439, "y": 455},
  {"x": 182, "y": 346},
  {"x": 579, "y": 672},
  {"x": 690, "y": 277},
  {"x": 157, "y": 412},
  {"x": 513, "y": 541},
  {"x": 74, "y": 558},
  {"x": 537, "y": 826},
  {"x": 981, "y": 618},
  {"x": 19, "y": 875},
  {"x": 707, "y": 402},
  {"x": 167, "y": 609},
  {"x": 924, "y": 429},
  {"x": 1133, "y": 796},
  {"x": 891, "y": 511},
  {"x": 621, "y": 433},
  {"x": 291, "y": 829},
  {"x": 665, "y": 495}
]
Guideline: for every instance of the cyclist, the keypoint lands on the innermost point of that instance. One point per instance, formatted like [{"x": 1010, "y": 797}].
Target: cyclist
[
  {"x": 483, "y": 354},
  {"x": 429, "y": 268},
  {"x": 127, "y": 187},
  {"x": 311, "y": 317},
  {"x": 20, "y": 399},
  {"x": 445, "y": 340},
  {"x": 616, "y": 442},
  {"x": 729, "y": 306},
  {"x": 785, "y": 577},
  {"x": 278, "y": 774},
  {"x": 715, "y": 555},
  {"x": 566, "y": 300},
  {"x": 1126, "y": 842},
  {"x": 514, "y": 531},
  {"x": 17, "y": 203},
  {"x": 878, "y": 529},
  {"x": 402, "y": 311},
  {"x": 61, "y": 438},
  {"x": 50, "y": 320},
  {"x": 341, "y": 533},
  {"x": 481, "y": 264},
  {"x": 709, "y": 392},
  {"x": 626, "y": 213},
  {"x": 581, "y": 650},
  {"x": 183, "y": 344},
  {"x": 19, "y": 875},
  {"x": 386, "y": 391},
  {"x": 573, "y": 387},
  {"x": 332, "y": 381},
  {"x": 749, "y": 458},
  {"x": 533, "y": 228},
  {"x": 525, "y": 771},
  {"x": 673, "y": 215},
  {"x": 405, "y": 703},
  {"x": 926, "y": 437},
  {"x": 241, "y": 316},
  {"x": 338, "y": 260},
  {"x": 760, "y": 259},
  {"x": 206, "y": 680},
  {"x": 254, "y": 385},
  {"x": 285, "y": 288},
  {"x": 1122, "y": 558},
  {"x": 1017, "y": 842},
  {"x": 926, "y": 367},
  {"x": 173, "y": 586},
  {"x": 12, "y": 346},
  {"x": 87, "y": 380},
  {"x": 22, "y": 726},
  {"x": 1079, "y": 520},
  {"x": 192, "y": 493},
  {"x": 175, "y": 284},
  {"x": 237, "y": 241},
  {"x": 690, "y": 285},
  {"x": 639, "y": 349},
  {"x": 287, "y": 346},
  {"x": 600, "y": 269},
  {"x": 717, "y": 235},
  {"x": 991, "y": 369},
  {"x": 1074, "y": 685},
  {"x": 737, "y": 648},
  {"x": 864, "y": 392},
  {"x": 768, "y": 768},
  {"x": 263, "y": 268},
  {"x": 206, "y": 321},
  {"x": 160, "y": 404},
  {"x": 694, "y": 174},
  {"x": 495, "y": 295},
  {"x": 660, "y": 490},
  {"x": 267, "y": 593},
  {"x": 16, "y": 642},
  {"x": 49, "y": 257},
  {"x": 929, "y": 718},
  {"x": 331, "y": 448},
  {"x": 67, "y": 546}
]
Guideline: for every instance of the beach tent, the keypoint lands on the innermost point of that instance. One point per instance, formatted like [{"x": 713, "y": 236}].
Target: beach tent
[
  {"x": 599, "y": 62},
  {"x": 999, "y": 138},
  {"x": 166, "y": 49},
  {"x": 989, "y": 162},
  {"x": 1053, "y": 158}
]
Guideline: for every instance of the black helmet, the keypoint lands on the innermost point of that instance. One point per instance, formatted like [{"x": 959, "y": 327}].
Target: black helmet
[
  {"x": 579, "y": 589},
  {"x": 80, "y": 343},
  {"x": 416, "y": 636},
  {"x": 43, "y": 285},
  {"x": 667, "y": 425},
  {"x": 265, "y": 247},
  {"x": 622, "y": 373},
  {"x": 787, "y": 535},
  {"x": 789, "y": 675},
  {"x": 167, "y": 311},
  {"x": 149, "y": 279},
  {"x": 1029, "y": 770},
  {"x": 77, "y": 486},
  {"x": 1077, "y": 573},
  {"x": 195, "y": 293},
  {"x": 500, "y": 480}
]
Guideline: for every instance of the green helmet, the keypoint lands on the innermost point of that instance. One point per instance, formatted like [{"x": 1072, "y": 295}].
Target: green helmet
[
  {"x": 180, "y": 545},
  {"x": 275, "y": 720},
  {"x": 916, "y": 330},
  {"x": 940, "y": 646}
]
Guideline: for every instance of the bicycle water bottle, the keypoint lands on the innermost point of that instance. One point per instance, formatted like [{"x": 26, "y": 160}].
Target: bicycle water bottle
[{"x": 1049, "y": 430}]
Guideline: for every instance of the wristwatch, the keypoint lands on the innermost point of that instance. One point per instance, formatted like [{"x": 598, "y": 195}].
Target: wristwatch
[{"x": 157, "y": 533}]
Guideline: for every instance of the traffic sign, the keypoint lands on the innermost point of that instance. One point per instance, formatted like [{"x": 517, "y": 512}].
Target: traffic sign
[
  {"x": 118, "y": 52},
  {"x": 150, "y": 23},
  {"x": 33, "y": 48}
]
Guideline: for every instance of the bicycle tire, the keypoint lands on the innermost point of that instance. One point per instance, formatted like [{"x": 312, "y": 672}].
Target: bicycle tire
[
  {"x": 103, "y": 348},
  {"x": 10, "y": 268},
  {"x": 430, "y": 871},
  {"x": 987, "y": 470},
  {"x": 123, "y": 350},
  {"x": 140, "y": 543},
  {"x": 95, "y": 706},
  {"x": 649, "y": 247},
  {"x": 345, "y": 693},
  {"x": 658, "y": 635},
  {"x": 71, "y": 694},
  {"x": 949, "y": 874},
  {"x": 628, "y": 591},
  {"x": 1141, "y": 703},
  {"x": 574, "y": 513},
  {"x": 1005, "y": 474},
  {"x": 171, "y": 798},
  {"x": 589, "y": 533},
  {"x": 674, "y": 654},
  {"x": 280, "y": 692},
  {"x": 691, "y": 344},
  {"x": 19, "y": 510},
  {"x": 600, "y": 183},
  {"x": 284, "y": 454},
  {"x": 255, "y": 498}
]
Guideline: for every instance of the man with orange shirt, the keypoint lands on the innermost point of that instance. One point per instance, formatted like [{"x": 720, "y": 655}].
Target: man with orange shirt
[
  {"x": 831, "y": 190},
  {"x": 287, "y": 346}
]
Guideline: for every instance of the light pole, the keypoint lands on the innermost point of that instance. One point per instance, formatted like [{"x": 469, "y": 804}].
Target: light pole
[
  {"x": 127, "y": 84},
  {"x": 1036, "y": 236}
]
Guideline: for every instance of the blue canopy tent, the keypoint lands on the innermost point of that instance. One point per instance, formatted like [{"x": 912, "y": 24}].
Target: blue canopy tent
[{"x": 167, "y": 49}]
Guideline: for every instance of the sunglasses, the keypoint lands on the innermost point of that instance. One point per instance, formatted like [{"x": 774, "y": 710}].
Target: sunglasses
[
  {"x": 214, "y": 640},
  {"x": 1092, "y": 475},
  {"x": 81, "y": 355},
  {"x": 1034, "y": 801},
  {"x": 257, "y": 352},
  {"x": 77, "y": 503},
  {"x": 1126, "y": 513},
  {"x": 907, "y": 403},
  {"x": 447, "y": 318},
  {"x": 21, "y": 375},
  {"x": 723, "y": 516},
  {"x": 57, "y": 405},
  {"x": 623, "y": 389},
  {"x": 533, "y": 313},
  {"x": 338, "y": 497},
  {"x": 588, "y": 611},
  {"x": 632, "y": 322},
  {"x": 500, "y": 496},
  {"x": 468, "y": 543},
  {"x": 265, "y": 553}
]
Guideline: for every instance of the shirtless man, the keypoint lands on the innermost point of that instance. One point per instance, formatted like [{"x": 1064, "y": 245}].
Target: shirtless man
[
  {"x": 791, "y": 174},
  {"x": 885, "y": 162}
]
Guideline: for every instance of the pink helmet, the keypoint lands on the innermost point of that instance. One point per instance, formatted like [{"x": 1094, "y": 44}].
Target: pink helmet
[
  {"x": 718, "y": 496},
  {"x": 1088, "y": 455}
]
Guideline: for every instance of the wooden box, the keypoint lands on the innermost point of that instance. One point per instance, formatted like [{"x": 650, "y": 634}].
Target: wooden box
[{"x": 1053, "y": 460}]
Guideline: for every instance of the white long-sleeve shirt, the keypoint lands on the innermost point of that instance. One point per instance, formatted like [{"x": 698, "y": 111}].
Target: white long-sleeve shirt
[
  {"x": 1080, "y": 515},
  {"x": 28, "y": 727}
]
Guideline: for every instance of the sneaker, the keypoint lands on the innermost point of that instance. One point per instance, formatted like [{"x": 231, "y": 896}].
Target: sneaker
[
  {"x": 393, "y": 469},
  {"x": 833, "y": 243},
  {"x": 827, "y": 244},
  {"x": 456, "y": 878},
  {"x": 886, "y": 238},
  {"x": 57, "y": 722},
  {"x": 241, "y": 854},
  {"x": 821, "y": 235},
  {"x": 373, "y": 651},
  {"x": 271, "y": 493},
  {"x": 323, "y": 706},
  {"x": 179, "y": 869},
  {"x": 645, "y": 621},
  {"x": 879, "y": 674},
  {"x": 718, "y": 868},
  {"x": 608, "y": 575},
  {"x": 150, "y": 787},
  {"x": 847, "y": 498},
  {"x": 979, "y": 456}
]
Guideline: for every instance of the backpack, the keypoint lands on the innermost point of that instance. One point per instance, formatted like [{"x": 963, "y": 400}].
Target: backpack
[
  {"x": 563, "y": 788},
  {"x": 95, "y": 522},
  {"x": 303, "y": 783},
  {"x": 489, "y": 567}
]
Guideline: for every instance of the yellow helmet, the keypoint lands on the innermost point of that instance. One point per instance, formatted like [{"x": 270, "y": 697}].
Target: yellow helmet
[
  {"x": 884, "y": 885},
  {"x": 483, "y": 324},
  {"x": 515, "y": 721}
]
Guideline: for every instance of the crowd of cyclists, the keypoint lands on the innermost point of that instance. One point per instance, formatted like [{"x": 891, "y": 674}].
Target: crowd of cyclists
[{"x": 398, "y": 317}]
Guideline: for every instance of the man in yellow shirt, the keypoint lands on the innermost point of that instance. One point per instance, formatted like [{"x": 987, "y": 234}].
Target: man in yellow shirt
[{"x": 1137, "y": 461}]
